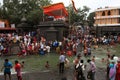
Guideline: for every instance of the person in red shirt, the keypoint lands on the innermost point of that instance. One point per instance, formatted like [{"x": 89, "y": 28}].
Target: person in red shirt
[
  {"x": 18, "y": 70},
  {"x": 118, "y": 70}
]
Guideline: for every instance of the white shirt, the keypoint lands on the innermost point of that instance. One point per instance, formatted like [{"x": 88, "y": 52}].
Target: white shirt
[{"x": 62, "y": 58}]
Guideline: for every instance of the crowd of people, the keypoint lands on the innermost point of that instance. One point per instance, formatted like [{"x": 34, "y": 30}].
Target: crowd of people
[
  {"x": 74, "y": 45},
  {"x": 30, "y": 44}
]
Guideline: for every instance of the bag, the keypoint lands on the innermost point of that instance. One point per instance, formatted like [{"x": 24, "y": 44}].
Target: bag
[
  {"x": 89, "y": 74},
  {"x": 79, "y": 68}
]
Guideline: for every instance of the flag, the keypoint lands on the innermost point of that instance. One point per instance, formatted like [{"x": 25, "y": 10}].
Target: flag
[{"x": 74, "y": 6}]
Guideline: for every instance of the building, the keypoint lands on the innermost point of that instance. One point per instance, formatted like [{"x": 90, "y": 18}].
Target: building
[
  {"x": 6, "y": 27},
  {"x": 107, "y": 21},
  {"x": 55, "y": 27},
  {"x": 24, "y": 27},
  {"x": 53, "y": 30}
]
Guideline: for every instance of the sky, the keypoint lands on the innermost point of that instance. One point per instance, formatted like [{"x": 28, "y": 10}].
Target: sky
[{"x": 92, "y": 4}]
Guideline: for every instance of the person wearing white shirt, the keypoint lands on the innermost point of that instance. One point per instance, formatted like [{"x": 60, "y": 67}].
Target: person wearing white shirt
[{"x": 62, "y": 62}]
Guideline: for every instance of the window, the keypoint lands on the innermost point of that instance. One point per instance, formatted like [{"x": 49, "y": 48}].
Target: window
[
  {"x": 119, "y": 11},
  {"x": 103, "y": 14},
  {"x": 109, "y": 13},
  {"x": 119, "y": 20}
]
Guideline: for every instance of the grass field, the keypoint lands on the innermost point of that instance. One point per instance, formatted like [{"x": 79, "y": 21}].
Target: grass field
[{"x": 37, "y": 62}]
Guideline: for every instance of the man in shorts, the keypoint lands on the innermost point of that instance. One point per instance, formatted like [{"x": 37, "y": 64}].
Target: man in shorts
[{"x": 7, "y": 69}]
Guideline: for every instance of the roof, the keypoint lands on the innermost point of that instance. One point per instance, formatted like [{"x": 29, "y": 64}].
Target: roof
[
  {"x": 107, "y": 8},
  {"x": 57, "y": 10}
]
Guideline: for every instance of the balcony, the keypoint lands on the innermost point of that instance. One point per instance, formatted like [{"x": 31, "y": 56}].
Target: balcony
[
  {"x": 107, "y": 24},
  {"x": 103, "y": 17}
]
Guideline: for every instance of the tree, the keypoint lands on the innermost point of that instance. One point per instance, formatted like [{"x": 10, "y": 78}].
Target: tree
[
  {"x": 44, "y": 2},
  {"x": 79, "y": 16},
  {"x": 14, "y": 10},
  {"x": 90, "y": 19}
]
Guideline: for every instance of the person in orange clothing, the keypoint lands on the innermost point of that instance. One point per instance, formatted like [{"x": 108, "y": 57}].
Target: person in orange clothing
[
  {"x": 69, "y": 53},
  {"x": 85, "y": 52},
  {"x": 118, "y": 70},
  {"x": 18, "y": 70}
]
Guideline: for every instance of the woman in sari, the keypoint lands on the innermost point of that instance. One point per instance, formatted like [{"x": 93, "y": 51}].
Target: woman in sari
[{"x": 112, "y": 72}]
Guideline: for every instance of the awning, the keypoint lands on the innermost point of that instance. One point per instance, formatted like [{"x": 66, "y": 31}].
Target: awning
[{"x": 57, "y": 10}]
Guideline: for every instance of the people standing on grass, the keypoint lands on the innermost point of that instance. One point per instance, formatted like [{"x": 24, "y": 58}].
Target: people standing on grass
[
  {"x": 62, "y": 59},
  {"x": 7, "y": 69},
  {"x": 18, "y": 70}
]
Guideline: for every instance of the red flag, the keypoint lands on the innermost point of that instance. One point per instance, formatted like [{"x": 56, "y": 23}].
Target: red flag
[{"x": 74, "y": 6}]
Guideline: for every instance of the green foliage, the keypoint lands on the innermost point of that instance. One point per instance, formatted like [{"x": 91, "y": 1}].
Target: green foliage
[
  {"x": 35, "y": 16},
  {"x": 79, "y": 16},
  {"x": 91, "y": 19},
  {"x": 14, "y": 10}
]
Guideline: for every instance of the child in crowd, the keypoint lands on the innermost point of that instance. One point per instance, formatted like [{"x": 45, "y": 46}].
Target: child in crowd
[
  {"x": 22, "y": 64},
  {"x": 108, "y": 52},
  {"x": 47, "y": 66},
  {"x": 103, "y": 60},
  {"x": 93, "y": 58}
]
